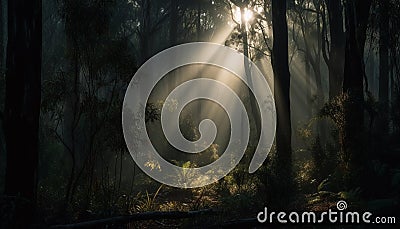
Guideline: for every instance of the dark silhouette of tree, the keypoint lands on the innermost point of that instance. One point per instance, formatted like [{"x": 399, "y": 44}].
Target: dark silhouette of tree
[
  {"x": 384, "y": 65},
  {"x": 2, "y": 36},
  {"x": 22, "y": 104},
  {"x": 71, "y": 107},
  {"x": 335, "y": 61},
  {"x": 91, "y": 53},
  {"x": 280, "y": 65},
  {"x": 357, "y": 15},
  {"x": 174, "y": 17}
]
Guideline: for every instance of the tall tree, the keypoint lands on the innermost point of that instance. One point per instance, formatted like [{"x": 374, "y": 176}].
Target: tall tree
[
  {"x": 280, "y": 65},
  {"x": 22, "y": 103},
  {"x": 310, "y": 25},
  {"x": 384, "y": 64},
  {"x": 2, "y": 35},
  {"x": 71, "y": 106},
  {"x": 243, "y": 29},
  {"x": 357, "y": 15},
  {"x": 337, "y": 46},
  {"x": 173, "y": 24}
]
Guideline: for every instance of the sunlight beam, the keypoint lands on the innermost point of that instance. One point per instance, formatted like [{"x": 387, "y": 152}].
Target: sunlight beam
[{"x": 248, "y": 15}]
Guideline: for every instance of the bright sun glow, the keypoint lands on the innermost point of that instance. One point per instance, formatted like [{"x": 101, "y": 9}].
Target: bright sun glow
[{"x": 248, "y": 15}]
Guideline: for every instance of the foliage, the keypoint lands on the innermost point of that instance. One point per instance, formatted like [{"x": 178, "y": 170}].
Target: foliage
[
  {"x": 152, "y": 113},
  {"x": 335, "y": 109},
  {"x": 351, "y": 195},
  {"x": 148, "y": 203}
]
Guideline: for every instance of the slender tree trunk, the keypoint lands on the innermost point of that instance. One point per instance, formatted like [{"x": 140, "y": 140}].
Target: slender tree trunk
[
  {"x": 198, "y": 21},
  {"x": 72, "y": 101},
  {"x": 322, "y": 124},
  {"x": 145, "y": 25},
  {"x": 71, "y": 114},
  {"x": 22, "y": 104},
  {"x": 394, "y": 87},
  {"x": 253, "y": 106},
  {"x": 2, "y": 73},
  {"x": 308, "y": 88},
  {"x": 384, "y": 65},
  {"x": 2, "y": 36},
  {"x": 173, "y": 29},
  {"x": 280, "y": 65},
  {"x": 198, "y": 34},
  {"x": 312, "y": 57},
  {"x": 357, "y": 14},
  {"x": 337, "y": 47}
]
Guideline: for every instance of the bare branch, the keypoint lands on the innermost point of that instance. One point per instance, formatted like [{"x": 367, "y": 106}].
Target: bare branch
[
  {"x": 325, "y": 41},
  {"x": 232, "y": 15},
  {"x": 265, "y": 37}
]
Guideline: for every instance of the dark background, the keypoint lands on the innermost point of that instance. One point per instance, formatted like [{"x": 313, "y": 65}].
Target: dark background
[{"x": 65, "y": 66}]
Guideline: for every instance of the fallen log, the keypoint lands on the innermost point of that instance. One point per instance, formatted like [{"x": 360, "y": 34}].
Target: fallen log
[
  {"x": 241, "y": 223},
  {"x": 118, "y": 220}
]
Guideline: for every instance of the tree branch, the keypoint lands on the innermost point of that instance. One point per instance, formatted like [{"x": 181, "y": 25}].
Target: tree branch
[
  {"x": 249, "y": 222},
  {"x": 136, "y": 217},
  {"x": 231, "y": 10}
]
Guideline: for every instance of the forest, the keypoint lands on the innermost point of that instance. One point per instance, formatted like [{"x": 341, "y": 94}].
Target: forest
[{"x": 332, "y": 68}]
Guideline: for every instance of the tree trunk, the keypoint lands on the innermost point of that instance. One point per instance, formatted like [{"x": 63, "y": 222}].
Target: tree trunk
[
  {"x": 255, "y": 119},
  {"x": 22, "y": 103},
  {"x": 336, "y": 55},
  {"x": 145, "y": 27},
  {"x": 198, "y": 21},
  {"x": 2, "y": 36},
  {"x": 72, "y": 101},
  {"x": 173, "y": 40},
  {"x": 357, "y": 14},
  {"x": 384, "y": 65},
  {"x": 280, "y": 65},
  {"x": 71, "y": 107},
  {"x": 173, "y": 29},
  {"x": 309, "y": 96}
]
